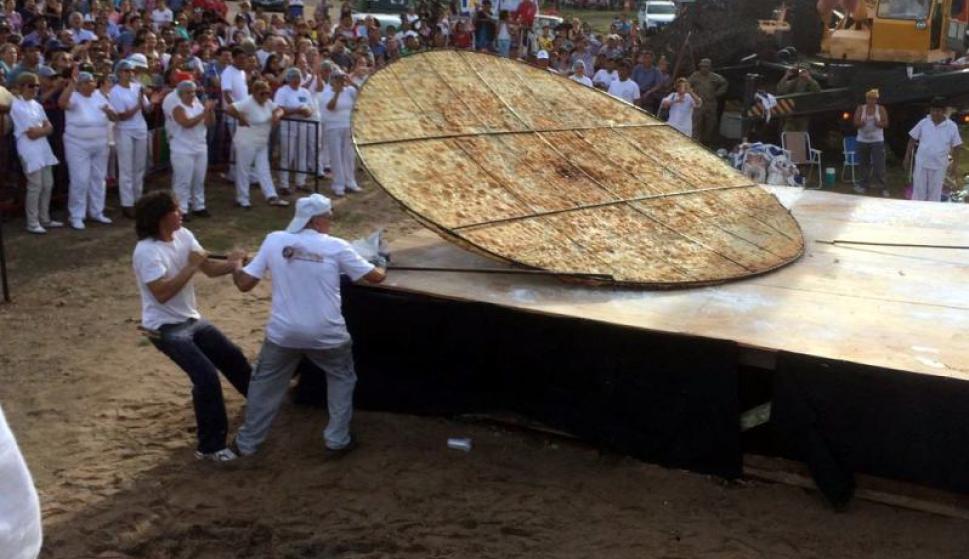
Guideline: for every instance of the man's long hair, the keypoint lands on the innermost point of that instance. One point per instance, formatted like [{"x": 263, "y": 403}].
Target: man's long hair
[{"x": 149, "y": 211}]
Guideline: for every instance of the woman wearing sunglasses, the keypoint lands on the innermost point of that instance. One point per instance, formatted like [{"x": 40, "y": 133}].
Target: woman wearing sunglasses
[{"x": 31, "y": 129}]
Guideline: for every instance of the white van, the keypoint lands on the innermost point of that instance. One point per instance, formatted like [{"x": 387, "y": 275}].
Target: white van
[{"x": 656, "y": 14}]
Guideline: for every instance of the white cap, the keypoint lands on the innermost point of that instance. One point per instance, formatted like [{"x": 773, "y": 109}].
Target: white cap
[
  {"x": 306, "y": 209},
  {"x": 542, "y": 55},
  {"x": 138, "y": 60}
]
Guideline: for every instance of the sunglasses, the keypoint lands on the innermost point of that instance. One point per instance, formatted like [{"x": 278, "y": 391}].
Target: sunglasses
[{"x": 32, "y": 85}]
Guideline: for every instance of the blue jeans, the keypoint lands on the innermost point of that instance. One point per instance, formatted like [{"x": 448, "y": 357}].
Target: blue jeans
[
  {"x": 504, "y": 47},
  {"x": 201, "y": 350}
]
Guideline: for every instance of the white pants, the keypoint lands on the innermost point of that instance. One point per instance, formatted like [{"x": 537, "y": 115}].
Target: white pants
[
  {"x": 257, "y": 156},
  {"x": 927, "y": 183},
  {"x": 323, "y": 155},
  {"x": 295, "y": 150},
  {"x": 343, "y": 161},
  {"x": 188, "y": 179},
  {"x": 132, "y": 158},
  {"x": 87, "y": 164},
  {"x": 231, "y": 124},
  {"x": 37, "y": 205}
]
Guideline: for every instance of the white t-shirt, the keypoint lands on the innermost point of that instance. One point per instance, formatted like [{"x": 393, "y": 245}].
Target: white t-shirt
[
  {"x": 161, "y": 17},
  {"x": 124, "y": 99},
  {"x": 289, "y": 98},
  {"x": 584, "y": 80},
  {"x": 340, "y": 117},
  {"x": 935, "y": 142},
  {"x": 20, "y": 527},
  {"x": 681, "y": 112},
  {"x": 187, "y": 141},
  {"x": 605, "y": 77},
  {"x": 233, "y": 80},
  {"x": 153, "y": 260},
  {"x": 35, "y": 154},
  {"x": 260, "y": 119},
  {"x": 626, "y": 90},
  {"x": 306, "y": 289},
  {"x": 85, "y": 118}
]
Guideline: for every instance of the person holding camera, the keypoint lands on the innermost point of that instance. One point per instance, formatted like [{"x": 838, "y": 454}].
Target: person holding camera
[
  {"x": 337, "y": 101},
  {"x": 680, "y": 104},
  {"x": 797, "y": 80}
]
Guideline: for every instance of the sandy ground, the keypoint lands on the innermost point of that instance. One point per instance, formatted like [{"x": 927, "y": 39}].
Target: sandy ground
[{"x": 106, "y": 425}]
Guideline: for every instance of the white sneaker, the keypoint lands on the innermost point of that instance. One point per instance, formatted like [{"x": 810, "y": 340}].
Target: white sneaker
[
  {"x": 354, "y": 188},
  {"x": 53, "y": 224},
  {"x": 77, "y": 224},
  {"x": 859, "y": 189},
  {"x": 886, "y": 193},
  {"x": 224, "y": 455},
  {"x": 36, "y": 229},
  {"x": 101, "y": 219}
]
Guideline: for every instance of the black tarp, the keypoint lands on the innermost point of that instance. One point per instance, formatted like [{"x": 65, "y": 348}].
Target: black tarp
[
  {"x": 842, "y": 418},
  {"x": 668, "y": 399}
]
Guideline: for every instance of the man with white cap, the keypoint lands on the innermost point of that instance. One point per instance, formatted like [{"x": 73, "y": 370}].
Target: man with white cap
[
  {"x": 578, "y": 73},
  {"x": 542, "y": 61},
  {"x": 306, "y": 321}
]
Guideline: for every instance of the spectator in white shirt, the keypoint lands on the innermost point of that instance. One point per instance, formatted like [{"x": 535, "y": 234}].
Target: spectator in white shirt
[
  {"x": 130, "y": 135},
  {"x": 936, "y": 137},
  {"x": 86, "y": 115},
  {"x": 623, "y": 87},
  {"x": 257, "y": 116},
  {"x": 189, "y": 150},
  {"x": 578, "y": 74},
  {"x": 681, "y": 104},
  {"x": 337, "y": 101},
  {"x": 234, "y": 88},
  {"x": 31, "y": 128},
  {"x": 296, "y": 137},
  {"x": 606, "y": 75},
  {"x": 162, "y": 15}
]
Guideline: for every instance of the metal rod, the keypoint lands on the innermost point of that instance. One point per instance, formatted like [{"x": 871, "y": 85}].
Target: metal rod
[
  {"x": 3, "y": 265},
  {"x": 601, "y": 277},
  {"x": 904, "y": 245}
]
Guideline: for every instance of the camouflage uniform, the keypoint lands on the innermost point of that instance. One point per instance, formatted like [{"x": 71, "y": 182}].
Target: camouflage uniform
[
  {"x": 709, "y": 88},
  {"x": 794, "y": 84}
]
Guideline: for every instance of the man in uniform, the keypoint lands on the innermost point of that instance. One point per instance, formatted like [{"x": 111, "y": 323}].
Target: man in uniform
[
  {"x": 709, "y": 86},
  {"x": 306, "y": 321},
  {"x": 797, "y": 80}
]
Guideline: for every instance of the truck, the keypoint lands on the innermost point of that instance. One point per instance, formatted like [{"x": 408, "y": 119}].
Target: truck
[{"x": 909, "y": 50}]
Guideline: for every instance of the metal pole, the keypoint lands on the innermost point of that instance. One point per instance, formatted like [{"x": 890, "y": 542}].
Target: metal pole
[
  {"x": 750, "y": 88},
  {"x": 3, "y": 265}
]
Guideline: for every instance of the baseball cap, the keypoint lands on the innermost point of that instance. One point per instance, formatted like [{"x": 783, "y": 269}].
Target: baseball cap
[
  {"x": 138, "y": 60},
  {"x": 542, "y": 55},
  {"x": 307, "y": 208},
  {"x": 125, "y": 65},
  {"x": 46, "y": 72}
]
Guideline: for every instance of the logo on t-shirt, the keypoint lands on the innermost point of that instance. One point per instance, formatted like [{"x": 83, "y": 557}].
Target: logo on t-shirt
[{"x": 292, "y": 252}]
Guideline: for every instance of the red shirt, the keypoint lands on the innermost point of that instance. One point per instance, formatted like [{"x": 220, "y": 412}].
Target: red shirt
[
  {"x": 526, "y": 12},
  {"x": 462, "y": 39}
]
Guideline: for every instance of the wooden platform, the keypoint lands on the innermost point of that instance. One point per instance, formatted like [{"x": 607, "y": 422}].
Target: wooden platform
[{"x": 898, "y": 308}]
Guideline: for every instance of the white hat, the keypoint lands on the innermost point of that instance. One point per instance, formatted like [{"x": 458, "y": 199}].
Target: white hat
[
  {"x": 542, "y": 55},
  {"x": 138, "y": 60},
  {"x": 307, "y": 208}
]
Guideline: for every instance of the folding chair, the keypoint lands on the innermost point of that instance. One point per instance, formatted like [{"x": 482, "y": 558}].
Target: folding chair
[
  {"x": 849, "y": 148},
  {"x": 797, "y": 146}
]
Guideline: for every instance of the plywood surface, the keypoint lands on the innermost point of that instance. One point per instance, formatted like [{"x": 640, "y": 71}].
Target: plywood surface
[
  {"x": 901, "y": 308},
  {"x": 537, "y": 170}
]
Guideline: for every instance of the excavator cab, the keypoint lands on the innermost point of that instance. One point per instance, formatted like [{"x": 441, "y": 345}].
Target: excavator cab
[{"x": 910, "y": 31}]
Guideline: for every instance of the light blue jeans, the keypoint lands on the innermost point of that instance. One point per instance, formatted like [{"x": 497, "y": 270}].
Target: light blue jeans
[
  {"x": 271, "y": 380},
  {"x": 504, "y": 47}
]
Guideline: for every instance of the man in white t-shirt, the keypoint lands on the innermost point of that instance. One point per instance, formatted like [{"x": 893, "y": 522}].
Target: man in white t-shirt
[
  {"x": 937, "y": 137},
  {"x": 235, "y": 88},
  {"x": 625, "y": 88},
  {"x": 681, "y": 104},
  {"x": 306, "y": 320},
  {"x": 165, "y": 260},
  {"x": 604, "y": 77},
  {"x": 20, "y": 527}
]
